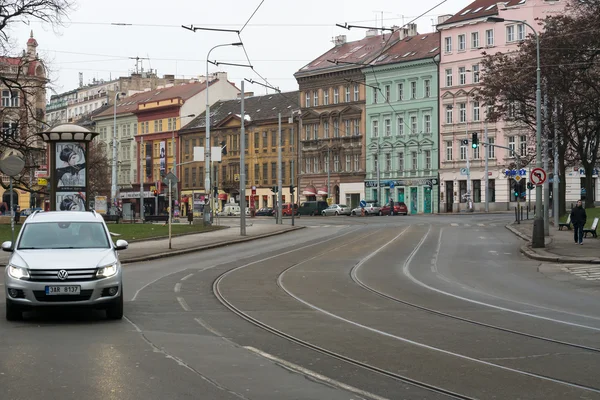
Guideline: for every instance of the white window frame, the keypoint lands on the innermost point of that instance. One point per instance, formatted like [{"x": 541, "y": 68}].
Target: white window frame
[
  {"x": 326, "y": 129},
  {"x": 336, "y": 163},
  {"x": 357, "y": 127},
  {"x": 449, "y": 115},
  {"x": 336, "y": 95},
  {"x": 375, "y": 128},
  {"x": 348, "y": 163},
  {"x": 489, "y": 37},
  {"x": 387, "y": 90},
  {"x": 316, "y": 98},
  {"x": 400, "y": 121},
  {"x": 491, "y": 148},
  {"x": 427, "y": 123},
  {"x": 463, "y": 151},
  {"x": 387, "y": 124},
  {"x": 427, "y": 88},
  {"x": 462, "y": 42},
  {"x": 414, "y": 128},
  {"x": 520, "y": 32},
  {"x": 510, "y": 33},
  {"x": 448, "y": 44},
  {"x": 326, "y": 97},
  {"x": 462, "y": 75},
  {"x": 474, "y": 40},
  {"x": 400, "y": 94},
  {"x": 462, "y": 112},
  {"x": 414, "y": 161},
  {"x": 511, "y": 146},
  {"x": 413, "y": 90},
  {"x": 523, "y": 145},
  {"x": 388, "y": 162},
  {"x": 307, "y": 102},
  {"x": 476, "y": 111},
  {"x": 401, "y": 161},
  {"x": 336, "y": 128},
  {"x": 448, "y": 77},
  {"x": 449, "y": 150},
  {"x": 356, "y": 93},
  {"x": 356, "y": 162},
  {"x": 347, "y": 94},
  {"x": 475, "y": 70}
]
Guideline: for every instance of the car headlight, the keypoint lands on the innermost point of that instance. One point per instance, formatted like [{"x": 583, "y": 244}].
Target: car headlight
[
  {"x": 105, "y": 272},
  {"x": 18, "y": 272}
]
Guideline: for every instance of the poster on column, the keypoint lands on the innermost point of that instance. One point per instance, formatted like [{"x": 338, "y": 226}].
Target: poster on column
[
  {"x": 70, "y": 165},
  {"x": 163, "y": 159},
  {"x": 70, "y": 201},
  {"x": 149, "y": 169}
]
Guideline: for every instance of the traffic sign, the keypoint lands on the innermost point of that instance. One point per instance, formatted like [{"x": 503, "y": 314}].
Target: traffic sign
[
  {"x": 391, "y": 184},
  {"x": 537, "y": 176},
  {"x": 517, "y": 178},
  {"x": 363, "y": 203},
  {"x": 170, "y": 177},
  {"x": 464, "y": 171}
]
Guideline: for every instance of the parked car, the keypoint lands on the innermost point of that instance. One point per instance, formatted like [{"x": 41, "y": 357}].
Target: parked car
[
  {"x": 264, "y": 212},
  {"x": 312, "y": 207},
  {"x": 370, "y": 209},
  {"x": 28, "y": 211},
  {"x": 399, "y": 208},
  {"x": 336, "y": 209},
  {"x": 286, "y": 209},
  {"x": 64, "y": 258}
]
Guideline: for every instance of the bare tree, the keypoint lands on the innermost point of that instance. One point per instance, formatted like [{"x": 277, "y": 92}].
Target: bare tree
[{"x": 98, "y": 169}]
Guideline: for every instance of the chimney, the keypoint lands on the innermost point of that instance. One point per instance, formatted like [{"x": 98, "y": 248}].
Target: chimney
[
  {"x": 222, "y": 76},
  {"x": 371, "y": 33},
  {"x": 340, "y": 40},
  {"x": 444, "y": 18}
]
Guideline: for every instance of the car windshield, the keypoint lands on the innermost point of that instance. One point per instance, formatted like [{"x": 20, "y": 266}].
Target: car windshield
[{"x": 63, "y": 235}]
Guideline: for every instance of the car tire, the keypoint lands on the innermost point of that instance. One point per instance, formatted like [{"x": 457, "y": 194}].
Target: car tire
[
  {"x": 115, "y": 310},
  {"x": 337, "y": 214},
  {"x": 380, "y": 213},
  {"x": 13, "y": 311}
]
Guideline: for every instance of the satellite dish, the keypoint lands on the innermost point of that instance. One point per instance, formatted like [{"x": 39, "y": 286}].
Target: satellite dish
[{"x": 12, "y": 162}]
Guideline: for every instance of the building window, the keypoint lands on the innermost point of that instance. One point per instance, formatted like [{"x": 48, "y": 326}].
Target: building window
[
  {"x": 449, "y": 150},
  {"x": 400, "y": 92},
  {"x": 273, "y": 140},
  {"x": 400, "y": 162},
  {"x": 356, "y": 93},
  {"x": 336, "y": 128},
  {"x": 448, "y": 44},
  {"x": 326, "y": 130},
  {"x": 347, "y": 94},
  {"x": 413, "y": 90},
  {"x": 476, "y": 191},
  {"x": 523, "y": 145},
  {"x": 273, "y": 172},
  {"x": 489, "y": 37},
  {"x": 336, "y": 163},
  {"x": 462, "y": 42},
  {"x": 336, "y": 95},
  {"x": 388, "y": 162},
  {"x": 462, "y": 76},
  {"x": 348, "y": 166},
  {"x": 475, "y": 111},
  {"x": 256, "y": 173},
  {"x": 428, "y": 160},
  {"x": 475, "y": 69},
  {"x": 413, "y": 125},
  {"x": 463, "y": 151},
  {"x": 387, "y": 91},
  {"x": 326, "y": 96},
  {"x": 308, "y": 165},
  {"x": 375, "y": 95},
  {"x": 476, "y": 153},
  {"x": 307, "y": 103},
  {"x": 521, "y": 32},
  {"x": 475, "y": 40},
  {"x": 510, "y": 33},
  {"x": 316, "y": 98},
  {"x": 400, "y": 126},
  {"x": 265, "y": 173},
  {"x": 427, "y": 88},
  {"x": 492, "y": 190},
  {"x": 356, "y": 127},
  {"x": 306, "y": 134},
  {"x": 491, "y": 148},
  {"x": 427, "y": 123},
  {"x": 347, "y": 128},
  {"x": 511, "y": 145},
  {"x": 375, "y": 128},
  {"x": 315, "y": 131},
  {"x": 414, "y": 161},
  {"x": 388, "y": 127},
  {"x": 449, "y": 117},
  {"x": 449, "y": 77},
  {"x": 356, "y": 163},
  {"x": 462, "y": 112}
]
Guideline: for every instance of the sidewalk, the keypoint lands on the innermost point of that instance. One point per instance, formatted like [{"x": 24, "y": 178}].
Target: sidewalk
[
  {"x": 560, "y": 245},
  {"x": 145, "y": 250}
]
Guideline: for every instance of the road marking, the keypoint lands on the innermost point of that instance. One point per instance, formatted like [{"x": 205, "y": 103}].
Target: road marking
[
  {"x": 150, "y": 283},
  {"x": 177, "y": 287},
  {"x": 301, "y": 370},
  {"x": 467, "y": 224},
  {"x": 187, "y": 277},
  {"x": 183, "y": 304},
  {"x": 493, "y": 252},
  {"x": 480, "y": 224},
  {"x": 454, "y": 224},
  {"x": 209, "y": 328}
]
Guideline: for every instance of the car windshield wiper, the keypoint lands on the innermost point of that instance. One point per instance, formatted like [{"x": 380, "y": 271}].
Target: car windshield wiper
[{"x": 30, "y": 248}]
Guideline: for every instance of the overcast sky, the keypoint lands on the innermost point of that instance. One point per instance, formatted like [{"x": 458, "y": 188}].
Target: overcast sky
[{"x": 282, "y": 36}]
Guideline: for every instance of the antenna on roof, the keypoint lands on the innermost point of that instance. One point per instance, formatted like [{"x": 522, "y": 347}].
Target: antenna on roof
[{"x": 138, "y": 61}]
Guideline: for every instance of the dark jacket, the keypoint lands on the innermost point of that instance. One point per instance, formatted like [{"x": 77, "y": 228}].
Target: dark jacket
[{"x": 578, "y": 215}]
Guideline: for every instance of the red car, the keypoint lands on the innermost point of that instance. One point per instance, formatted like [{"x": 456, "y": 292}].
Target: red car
[{"x": 399, "y": 208}]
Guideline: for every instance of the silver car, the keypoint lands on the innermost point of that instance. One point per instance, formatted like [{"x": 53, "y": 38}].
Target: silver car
[
  {"x": 370, "y": 209},
  {"x": 64, "y": 258},
  {"x": 336, "y": 209}
]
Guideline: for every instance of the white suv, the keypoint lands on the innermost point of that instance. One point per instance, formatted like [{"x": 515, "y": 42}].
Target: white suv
[{"x": 64, "y": 258}]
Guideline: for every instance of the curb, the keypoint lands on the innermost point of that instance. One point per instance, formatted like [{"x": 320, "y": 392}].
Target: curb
[
  {"x": 152, "y": 239},
  {"x": 518, "y": 233},
  {"x": 174, "y": 253}
]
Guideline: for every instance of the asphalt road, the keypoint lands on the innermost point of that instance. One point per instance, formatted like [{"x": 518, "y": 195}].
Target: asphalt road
[{"x": 419, "y": 307}]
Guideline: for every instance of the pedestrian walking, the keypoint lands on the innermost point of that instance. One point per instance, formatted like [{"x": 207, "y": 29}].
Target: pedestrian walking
[{"x": 578, "y": 218}]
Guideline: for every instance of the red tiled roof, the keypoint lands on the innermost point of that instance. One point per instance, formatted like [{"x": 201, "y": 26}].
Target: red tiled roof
[
  {"x": 479, "y": 9},
  {"x": 412, "y": 48},
  {"x": 358, "y": 52}
]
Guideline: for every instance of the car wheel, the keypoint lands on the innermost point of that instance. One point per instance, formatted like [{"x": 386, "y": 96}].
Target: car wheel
[
  {"x": 354, "y": 213},
  {"x": 380, "y": 213},
  {"x": 337, "y": 214},
  {"x": 115, "y": 310},
  {"x": 13, "y": 311}
]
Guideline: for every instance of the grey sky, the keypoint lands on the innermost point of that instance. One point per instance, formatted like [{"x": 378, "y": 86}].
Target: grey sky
[{"x": 283, "y": 36}]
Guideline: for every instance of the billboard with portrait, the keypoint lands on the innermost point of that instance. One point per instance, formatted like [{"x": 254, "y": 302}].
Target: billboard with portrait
[
  {"x": 163, "y": 158},
  {"x": 70, "y": 201},
  {"x": 149, "y": 168},
  {"x": 70, "y": 165}
]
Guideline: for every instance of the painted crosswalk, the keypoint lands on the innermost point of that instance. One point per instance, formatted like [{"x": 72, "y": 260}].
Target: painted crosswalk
[{"x": 587, "y": 272}]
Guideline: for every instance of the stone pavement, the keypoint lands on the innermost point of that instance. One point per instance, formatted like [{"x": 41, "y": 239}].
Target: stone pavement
[
  {"x": 560, "y": 245},
  {"x": 159, "y": 248}
]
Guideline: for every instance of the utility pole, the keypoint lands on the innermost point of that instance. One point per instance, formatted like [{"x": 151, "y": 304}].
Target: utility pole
[
  {"x": 378, "y": 178},
  {"x": 279, "y": 177},
  {"x": 142, "y": 159},
  {"x": 292, "y": 142},
  {"x": 243, "y": 167},
  {"x": 546, "y": 183},
  {"x": 487, "y": 177},
  {"x": 555, "y": 182},
  {"x": 328, "y": 172},
  {"x": 170, "y": 213}
]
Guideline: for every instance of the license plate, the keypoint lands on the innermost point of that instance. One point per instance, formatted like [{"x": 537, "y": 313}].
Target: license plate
[{"x": 56, "y": 290}]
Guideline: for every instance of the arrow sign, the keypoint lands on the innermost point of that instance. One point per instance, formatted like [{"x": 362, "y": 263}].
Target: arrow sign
[{"x": 537, "y": 176}]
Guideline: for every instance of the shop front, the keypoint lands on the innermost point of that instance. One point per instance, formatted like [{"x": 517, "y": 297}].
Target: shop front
[{"x": 418, "y": 194}]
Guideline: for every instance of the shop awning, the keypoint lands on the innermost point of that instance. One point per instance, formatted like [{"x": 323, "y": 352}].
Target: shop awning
[
  {"x": 222, "y": 196},
  {"x": 322, "y": 191},
  {"x": 309, "y": 191}
]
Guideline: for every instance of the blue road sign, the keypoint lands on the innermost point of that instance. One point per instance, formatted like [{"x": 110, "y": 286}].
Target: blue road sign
[
  {"x": 392, "y": 184},
  {"x": 363, "y": 203}
]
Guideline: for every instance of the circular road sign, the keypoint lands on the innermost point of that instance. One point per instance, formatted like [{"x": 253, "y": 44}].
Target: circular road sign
[
  {"x": 363, "y": 203},
  {"x": 537, "y": 176}
]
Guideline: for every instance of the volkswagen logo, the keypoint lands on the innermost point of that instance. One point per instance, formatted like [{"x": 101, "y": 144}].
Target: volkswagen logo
[{"x": 62, "y": 275}]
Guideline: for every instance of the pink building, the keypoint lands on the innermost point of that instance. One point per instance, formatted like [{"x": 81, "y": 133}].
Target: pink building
[{"x": 464, "y": 36}]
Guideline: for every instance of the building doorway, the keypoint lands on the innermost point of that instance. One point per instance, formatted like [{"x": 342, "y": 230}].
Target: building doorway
[
  {"x": 427, "y": 202},
  {"x": 414, "y": 200},
  {"x": 449, "y": 196}
]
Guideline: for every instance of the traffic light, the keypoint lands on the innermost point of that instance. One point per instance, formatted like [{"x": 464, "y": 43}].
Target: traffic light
[
  {"x": 529, "y": 185},
  {"x": 275, "y": 189},
  {"x": 223, "y": 148},
  {"x": 475, "y": 141},
  {"x": 155, "y": 192},
  {"x": 292, "y": 190}
]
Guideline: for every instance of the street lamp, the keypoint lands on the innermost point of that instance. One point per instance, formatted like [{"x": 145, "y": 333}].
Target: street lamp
[
  {"x": 538, "y": 223},
  {"x": 113, "y": 186},
  {"x": 207, "y": 169}
]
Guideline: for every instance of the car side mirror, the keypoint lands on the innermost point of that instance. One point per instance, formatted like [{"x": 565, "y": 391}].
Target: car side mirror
[
  {"x": 121, "y": 244},
  {"x": 7, "y": 246}
]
